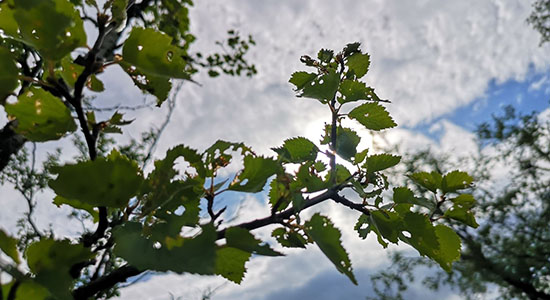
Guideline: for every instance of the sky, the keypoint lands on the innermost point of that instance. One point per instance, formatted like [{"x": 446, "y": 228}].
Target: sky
[{"x": 445, "y": 65}]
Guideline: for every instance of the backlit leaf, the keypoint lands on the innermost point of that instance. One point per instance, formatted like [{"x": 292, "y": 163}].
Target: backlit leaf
[
  {"x": 353, "y": 90},
  {"x": 297, "y": 150},
  {"x": 389, "y": 224},
  {"x": 230, "y": 263},
  {"x": 51, "y": 260},
  {"x": 152, "y": 52},
  {"x": 290, "y": 239},
  {"x": 327, "y": 237},
  {"x": 373, "y": 116},
  {"x": 379, "y": 162},
  {"x": 430, "y": 181},
  {"x": 53, "y": 27},
  {"x": 449, "y": 243},
  {"x": 8, "y": 245},
  {"x": 58, "y": 200},
  {"x": 359, "y": 63},
  {"x": 403, "y": 195},
  {"x": 255, "y": 174},
  {"x": 109, "y": 181},
  {"x": 456, "y": 180},
  {"x": 157, "y": 86},
  {"x": 322, "y": 88},
  {"x": 191, "y": 255},
  {"x": 41, "y": 116},
  {"x": 8, "y": 74}
]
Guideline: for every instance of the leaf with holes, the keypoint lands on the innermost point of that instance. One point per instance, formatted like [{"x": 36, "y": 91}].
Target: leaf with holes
[
  {"x": 53, "y": 27},
  {"x": 152, "y": 52},
  {"x": 373, "y": 116},
  {"x": 109, "y": 181},
  {"x": 297, "y": 150},
  {"x": 41, "y": 116},
  {"x": 353, "y": 90},
  {"x": 289, "y": 238},
  {"x": 309, "y": 85},
  {"x": 157, "y": 86},
  {"x": 327, "y": 237},
  {"x": 460, "y": 210},
  {"x": 422, "y": 234},
  {"x": 255, "y": 174},
  {"x": 456, "y": 180}
]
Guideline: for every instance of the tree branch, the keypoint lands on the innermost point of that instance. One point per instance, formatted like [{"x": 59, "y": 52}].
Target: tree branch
[{"x": 105, "y": 282}]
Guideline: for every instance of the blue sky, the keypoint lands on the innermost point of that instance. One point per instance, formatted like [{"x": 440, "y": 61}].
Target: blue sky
[{"x": 529, "y": 95}]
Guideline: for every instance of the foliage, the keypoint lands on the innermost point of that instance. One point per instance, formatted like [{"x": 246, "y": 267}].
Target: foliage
[
  {"x": 140, "y": 217},
  {"x": 509, "y": 250},
  {"x": 540, "y": 19}
]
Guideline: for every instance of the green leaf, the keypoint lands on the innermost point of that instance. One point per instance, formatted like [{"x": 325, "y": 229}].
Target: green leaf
[
  {"x": 109, "y": 181},
  {"x": 69, "y": 71},
  {"x": 461, "y": 212},
  {"x": 351, "y": 48},
  {"x": 9, "y": 246},
  {"x": 465, "y": 201},
  {"x": 30, "y": 290},
  {"x": 325, "y": 55},
  {"x": 242, "y": 239},
  {"x": 255, "y": 174},
  {"x": 191, "y": 255},
  {"x": 288, "y": 238},
  {"x": 8, "y": 74},
  {"x": 58, "y": 200},
  {"x": 118, "y": 12},
  {"x": 308, "y": 179},
  {"x": 327, "y": 237},
  {"x": 456, "y": 180},
  {"x": 53, "y": 27},
  {"x": 359, "y": 63},
  {"x": 423, "y": 237},
  {"x": 353, "y": 90},
  {"x": 279, "y": 192},
  {"x": 157, "y": 86},
  {"x": 379, "y": 162},
  {"x": 8, "y": 24},
  {"x": 152, "y": 52},
  {"x": 360, "y": 156},
  {"x": 300, "y": 79},
  {"x": 297, "y": 150},
  {"x": 449, "y": 250},
  {"x": 95, "y": 85},
  {"x": 373, "y": 116},
  {"x": 41, "y": 116},
  {"x": 389, "y": 224},
  {"x": 230, "y": 263},
  {"x": 346, "y": 141},
  {"x": 51, "y": 260},
  {"x": 430, "y": 181},
  {"x": 322, "y": 88},
  {"x": 403, "y": 195}
]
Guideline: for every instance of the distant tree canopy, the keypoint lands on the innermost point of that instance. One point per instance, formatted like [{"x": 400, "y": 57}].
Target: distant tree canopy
[
  {"x": 170, "y": 220},
  {"x": 540, "y": 19}
]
